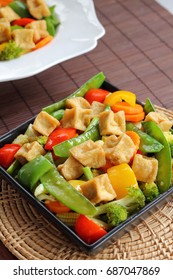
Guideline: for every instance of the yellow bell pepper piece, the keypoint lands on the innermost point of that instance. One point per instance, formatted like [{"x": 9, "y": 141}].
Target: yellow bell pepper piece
[
  {"x": 121, "y": 177},
  {"x": 120, "y": 95},
  {"x": 76, "y": 184}
]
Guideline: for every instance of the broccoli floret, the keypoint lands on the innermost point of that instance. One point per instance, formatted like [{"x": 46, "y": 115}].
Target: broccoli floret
[
  {"x": 150, "y": 191},
  {"x": 117, "y": 211},
  {"x": 10, "y": 51}
]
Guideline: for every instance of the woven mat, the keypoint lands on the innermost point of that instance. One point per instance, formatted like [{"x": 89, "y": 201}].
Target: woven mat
[{"x": 29, "y": 236}]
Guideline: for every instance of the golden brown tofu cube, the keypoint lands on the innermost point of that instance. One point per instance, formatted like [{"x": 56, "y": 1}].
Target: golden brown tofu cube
[
  {"x": 40, "y": 29},
  {"x": 24, "y": 38},
  {"x": 119, "y": 149},
  {"x": 112, "y": 123},
  {"x": 145, "y": 168},
  {"x": 29, "y": 151},
  {"x": 77, "y": 118},
  {"x": 71, "y": 169},
  {"x": 98, "y": 189},
  {"x": 8, "y": 13},
  {"x": 89, "y": 154},
  {"x": 97, "y": 108},
  {"x": 5, "y": 31},
  {"x": 38, "y": 8},
  {"x": 77, "y": 102},
  {"x": 45, "y": 123},
  {"x": 161, "y": 119}
]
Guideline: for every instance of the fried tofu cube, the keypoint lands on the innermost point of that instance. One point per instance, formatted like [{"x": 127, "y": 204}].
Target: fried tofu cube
[
  {"x": 8, "y": 13},
  {"x": 112, "y": 123},
  {"x": 24, "y": 38},
  {"x": 29, "y": 151},
  {"x": 45, "y": 123},
  {"x": 77, "y": 114},
  {"x": 40, "y": 29},
  {"x": 98, "y": 189},
  {"x": 38, "y": 8},
  {"x": 77, "y": 102},
  {"x": 77, "y": 118},
  {"x": 145, "y": 168},
  {"x": 71, "y": 169},
  {"x": 97, "y": 108},
  {"x": 119, "y": 149},
  {"x": 161, "y": 119},
  {"x": 89, "y": 154},
  {"x": 5, "y": 31}
]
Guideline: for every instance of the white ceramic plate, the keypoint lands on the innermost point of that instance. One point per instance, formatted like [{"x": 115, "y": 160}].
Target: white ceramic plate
[
  {"x": 167, "y": 4},
  {"x": 77, "y": 34}
]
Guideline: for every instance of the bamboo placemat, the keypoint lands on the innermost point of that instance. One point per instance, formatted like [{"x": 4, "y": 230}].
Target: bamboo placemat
[{"x": 29, "y": 236}]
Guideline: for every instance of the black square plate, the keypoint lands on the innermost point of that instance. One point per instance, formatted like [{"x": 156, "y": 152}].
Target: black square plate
[{"x": 112, "y": 235}]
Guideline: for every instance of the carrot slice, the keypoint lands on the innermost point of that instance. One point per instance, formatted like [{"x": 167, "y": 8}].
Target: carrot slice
[
  {"x": 127, "y": 108},
  {"x": 43, "y": 42},
  {"x": 135, "y": 117},
  {"x": 4, "y": 3},
  {"x": 56, "y": 206},
  {"x": 135, "y": 138}
]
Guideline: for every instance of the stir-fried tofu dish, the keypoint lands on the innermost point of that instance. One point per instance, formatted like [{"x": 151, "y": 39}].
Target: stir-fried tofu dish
[
  {"x": 25, "y": 26},
  {"x": 94, "y": 158}
]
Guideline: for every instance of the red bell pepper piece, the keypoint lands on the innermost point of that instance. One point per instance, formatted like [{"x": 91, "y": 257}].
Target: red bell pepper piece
[
  {"x": 59, "y": 135},
  {"x": 7, "y": 153},
  {"x": 96, "y": 94},
  {"x": 88, "y": 230},
  {"x": 22, "y": 21}
]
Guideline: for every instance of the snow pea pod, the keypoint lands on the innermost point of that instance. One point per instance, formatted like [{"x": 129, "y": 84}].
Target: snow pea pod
[
  {"x": 95, "y": 82},
  {"x": 148, "y": 106},
  {"x": 164, "y": 175},
  {"x": 148, "y": 144},
  {"x": 20, "y": 8},
  {"x": 59, "y": 188}
]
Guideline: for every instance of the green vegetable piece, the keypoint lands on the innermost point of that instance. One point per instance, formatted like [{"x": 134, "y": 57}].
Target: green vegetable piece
[
  {"x": 148, "y": 144},
  {"x": 148, "y": 107},
  {"x": 95, "y": 82},
  {"x": 58, "y": 187},
  {"x": 88, "y": 173},
  {"x": 20, "y": 8},
  {"x": 14, "y": 27},
  {"x": 58, "y": 114},
  {"x": 14, "y": 168},
  {"x": 164, "y": 175},
  {"x": 63, "y": 149},
  {"x": 117, "y": 211},
  {"x": 31, "y": 172},
  {"x": 150, "y": 190},
  {"x": 10, "y": 51},
  {"x": 50, "y": 27}
]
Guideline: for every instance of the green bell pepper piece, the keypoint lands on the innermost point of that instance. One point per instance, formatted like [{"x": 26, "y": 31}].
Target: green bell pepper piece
[
  {"x": 164, "y": 175},
  {"x": 148, "y": 144},
  {"x": 148, "y": 106},
  {"x": 95, "y": 82},
  {"x": 59, "y": 188},
  {"x": 31, "y": 172},
  {"x": 20, "y": 8}
]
